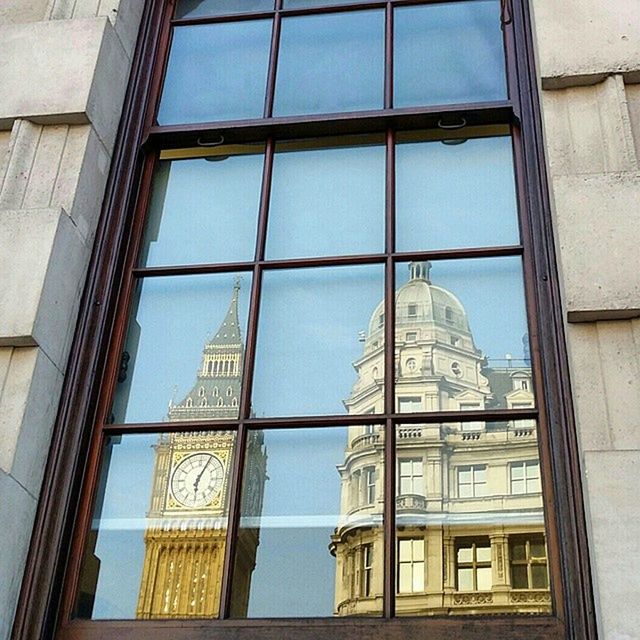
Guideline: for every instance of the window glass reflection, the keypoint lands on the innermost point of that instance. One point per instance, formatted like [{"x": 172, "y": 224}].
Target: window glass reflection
[
  {"x": 330, "y": 63},
  {"x": 460, "y": 524},
  {"x": 188, "y": 225},
  {"x": 314, "y": 533},
  {"x": 156, "y": 544},
  {"x": 327, "y": 200},
  {"x": 216, "y": 72},
  {"x": 184, "y": 352},
  {"x": 469, "y": 346},
  {"x": 311, "y": 325},
  {"x": 455, "y": 195},
  {"x": 448, "y": 53},
  {"x": 199, "y": 8}
]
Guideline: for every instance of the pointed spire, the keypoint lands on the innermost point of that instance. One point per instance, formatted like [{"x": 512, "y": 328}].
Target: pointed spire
[{"x": 229, "y": 331}]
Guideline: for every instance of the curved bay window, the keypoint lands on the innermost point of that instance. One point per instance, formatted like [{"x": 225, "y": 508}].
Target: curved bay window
[{"x": 324, "y": 359}]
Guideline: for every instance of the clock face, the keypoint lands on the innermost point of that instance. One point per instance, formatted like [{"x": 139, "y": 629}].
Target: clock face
[{"x": 197, "y": 480}]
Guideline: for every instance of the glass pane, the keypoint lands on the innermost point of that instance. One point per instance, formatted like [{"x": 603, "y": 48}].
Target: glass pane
[
  {"x": 448, "y": 53},
  {"x": 330, "y": 63},
  {"x": 305, "y": 530},
  {"x": 199, "y": 204},
  {"x": 404, "y": 550},
  {"x": 452, "y": 524},
  {"x": 484, "y": 578},
  {"x": 157, "y": 538},
  {"x": 519, "y": 578},
  {"x": 517, "y": 471},
  {"x": 483, "y": 554},
  {"x": 465, "y": 579},
  {"x": 184, "y": 351},
  {"x": 327, "y": 200},
  {"x": 309, "y": 340},
  {"x": 539, "y": 576},
  {"x": 472, "y": 343},
  {"x": 452, "y": 196},
  {"x": 418, "y": 577},
  {"x": 199, "y": 8},
  {"x": 216, "y": 72},
  {"x": 465, "y": 554},
  {"x": 405, "y": 578},
  {"x": 538, "y": 550}
]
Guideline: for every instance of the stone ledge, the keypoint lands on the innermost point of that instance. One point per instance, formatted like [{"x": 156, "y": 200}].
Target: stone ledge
[
  {"x": 598, "y": 226},
  {"x": 42, "y": 259},
  {"x": 75, "y": 74},
  {"x": 580, "y": 42}
]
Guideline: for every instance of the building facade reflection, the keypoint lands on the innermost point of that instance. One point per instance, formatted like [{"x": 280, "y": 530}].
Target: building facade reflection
[{"x": 469, "y": 512}]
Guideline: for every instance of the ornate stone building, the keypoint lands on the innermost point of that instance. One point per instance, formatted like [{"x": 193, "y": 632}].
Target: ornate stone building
[{"x": 469, "y": 513}]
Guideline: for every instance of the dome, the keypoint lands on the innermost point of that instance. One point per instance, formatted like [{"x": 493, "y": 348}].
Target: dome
[{"x": 420, "y": 301}]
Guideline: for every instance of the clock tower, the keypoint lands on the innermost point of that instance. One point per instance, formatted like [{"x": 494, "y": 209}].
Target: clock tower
[{"x": 187, "y": 520}]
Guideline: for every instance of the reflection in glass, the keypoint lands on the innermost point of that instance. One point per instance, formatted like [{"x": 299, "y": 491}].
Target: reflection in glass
[
  {"x": 184, "y": 351},
  {"x": 330, "y": 63},
  {"x": 448, "y": 53},
  {"x": 156, "y": 544},
  {"x": 461, "y": 337},
  {"x": 311, "y": 321},
  {"x": 215, "y": 222},
  {"x": 199, "y": 8},
  {"x": 460, "y": 525},
  {"x": 320, "y": 528},
  {"x": 454, "y": 196},
  {"x": 327, "y": 200},
  {"x": 216, "y": 72}
]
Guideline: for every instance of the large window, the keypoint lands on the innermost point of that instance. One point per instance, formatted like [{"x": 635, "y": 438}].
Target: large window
[{"x": 316, "y": 292}]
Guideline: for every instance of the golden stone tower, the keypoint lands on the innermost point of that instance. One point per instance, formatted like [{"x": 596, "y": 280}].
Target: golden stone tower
[{"x": 187, "y": 519}]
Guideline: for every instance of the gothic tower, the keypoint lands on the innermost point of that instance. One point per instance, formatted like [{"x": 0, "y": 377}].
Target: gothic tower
[{"x": 186, "y": 534}]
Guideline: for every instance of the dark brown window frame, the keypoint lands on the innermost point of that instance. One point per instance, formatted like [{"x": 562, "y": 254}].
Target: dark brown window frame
[{"x": 111, "y": 272}]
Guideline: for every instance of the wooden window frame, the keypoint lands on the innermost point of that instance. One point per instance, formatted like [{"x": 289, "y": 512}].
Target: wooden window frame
[{"x": 75, "y": 447}]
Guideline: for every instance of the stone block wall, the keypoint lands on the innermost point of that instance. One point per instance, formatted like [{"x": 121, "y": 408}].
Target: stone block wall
[
  {"x": 64, "y": 71},
  {"x": 589, "y": 65}
]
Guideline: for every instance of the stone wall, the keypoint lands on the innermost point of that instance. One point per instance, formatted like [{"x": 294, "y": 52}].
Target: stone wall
[
  {"x": 589, "y": 65},
  {"x": 64, "y": 70},
  {"x": 63, "y": 75}
]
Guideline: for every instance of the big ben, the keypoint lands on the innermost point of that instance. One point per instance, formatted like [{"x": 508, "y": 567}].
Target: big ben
[{"x": 187, "y": 519}]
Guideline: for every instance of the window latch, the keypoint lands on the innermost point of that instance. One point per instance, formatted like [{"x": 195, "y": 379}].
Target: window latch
[{"x": 506, "y": 12}]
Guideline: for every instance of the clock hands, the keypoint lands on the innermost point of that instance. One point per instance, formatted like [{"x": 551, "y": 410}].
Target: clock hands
[{"x": 197, "y": 481}]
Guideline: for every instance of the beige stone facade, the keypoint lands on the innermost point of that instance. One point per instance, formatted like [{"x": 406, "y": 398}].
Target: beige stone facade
[{"x": 63, "y": 75}]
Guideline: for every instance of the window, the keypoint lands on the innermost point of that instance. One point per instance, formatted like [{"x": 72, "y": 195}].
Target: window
[
  {"x": 304, "y": 175},
  {"x": 525, "y": 477},
  {"x": 369, "y": 487},
  {"x": 409, "y": 405},
  {"x": 472, "y": 481},
  {"x": 410, "y": 565},
  {"x": 528, "y": 563},
  {"x": 366, "y": 586},
  {"x": 473, "y": 566},
  {"x": 411, "y": 476}
]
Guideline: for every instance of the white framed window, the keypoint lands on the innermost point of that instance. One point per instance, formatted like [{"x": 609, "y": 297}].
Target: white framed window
[
  {"x": 410, "y": 476},
  {"x": 411, "y": 565},
  {"x": 472, "y": 481},
  {"x": 525, "y": 477}
]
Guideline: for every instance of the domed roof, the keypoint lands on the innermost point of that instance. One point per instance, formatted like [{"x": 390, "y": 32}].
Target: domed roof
[{"x": 420, "y": 301}]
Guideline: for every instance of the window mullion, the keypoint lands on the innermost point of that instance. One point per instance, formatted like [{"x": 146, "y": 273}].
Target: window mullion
[{"x": 273, "y": 61}]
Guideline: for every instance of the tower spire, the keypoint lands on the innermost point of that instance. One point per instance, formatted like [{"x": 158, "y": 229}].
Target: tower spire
[{"x": 229, "y": 331}]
